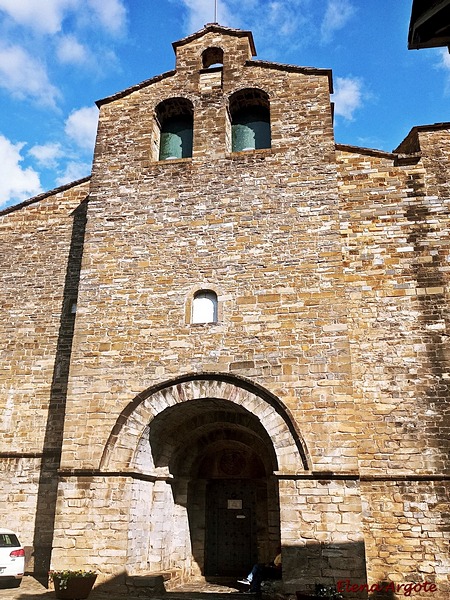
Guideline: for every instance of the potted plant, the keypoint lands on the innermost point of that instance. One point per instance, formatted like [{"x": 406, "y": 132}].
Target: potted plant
[
  {"x": 73, "y": 585},
  {"x": 322, "y": 592},
  {"x": 328, "y": 592}
]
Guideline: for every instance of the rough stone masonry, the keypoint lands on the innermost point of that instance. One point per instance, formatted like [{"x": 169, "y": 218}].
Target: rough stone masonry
[{"x": 311, "y": 412}]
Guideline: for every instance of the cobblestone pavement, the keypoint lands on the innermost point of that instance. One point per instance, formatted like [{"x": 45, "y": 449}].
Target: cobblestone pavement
[{"x": 31, "y": 589}]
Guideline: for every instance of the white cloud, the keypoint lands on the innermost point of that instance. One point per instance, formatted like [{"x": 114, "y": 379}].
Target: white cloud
[
  {"x": 283, "y": 18},
  {"x": 337, "y": 15},
  {"x": 45, "y": 16},
  {"x": 16, "y": 183},
  {"x": 69, "y": 50},
  {"x": 274, "y": 23},
  {"x": 81, "y": 126},
  {"x": 47, "y": 155},
  {"x": 110, "y": 13},
  {"x": 444, "y": 62},
  {"x": 201, "y": 12},
  {"x": 347, "y": 96},
  {"x": 74, "y": 170},
  {"x": 25, "y": 77}
]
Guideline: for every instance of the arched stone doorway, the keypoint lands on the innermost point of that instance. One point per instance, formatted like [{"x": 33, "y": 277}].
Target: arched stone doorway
[
  {"x": 204, "y": 453},
  {"x": 221, "y": 460}
]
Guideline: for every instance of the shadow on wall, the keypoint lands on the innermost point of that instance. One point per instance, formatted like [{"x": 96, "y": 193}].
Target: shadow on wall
[
  {"x": 51, "y": 455},
  {"x": 305, "y": 567},
  {"x": 429, "y": 271}
]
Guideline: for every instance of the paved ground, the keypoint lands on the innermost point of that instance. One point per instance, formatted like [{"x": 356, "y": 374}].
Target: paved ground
[
  {"x": 29, "y": 590},
  {"x": 33, "y": 590}
]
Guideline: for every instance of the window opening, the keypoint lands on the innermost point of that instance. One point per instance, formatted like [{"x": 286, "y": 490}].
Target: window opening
[
  {"x": 250, "y": 120},
  {"x": 175, "y": 117},
  {"x": 212, "y": 57},
  {"x": 204, "y": 307},
  {"x": 8, "y": 540}
]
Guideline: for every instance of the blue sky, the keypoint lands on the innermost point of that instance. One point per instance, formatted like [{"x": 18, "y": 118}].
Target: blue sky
[{"x": 57, "y": 57}]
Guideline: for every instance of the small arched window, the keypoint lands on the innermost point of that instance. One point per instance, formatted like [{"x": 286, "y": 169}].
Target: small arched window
[
  {"x": 212, "y": 57},
  {"x": 250, "y": 120},
  {"x": 204, "y": 307},
  {"x": 176, "y": 121}
]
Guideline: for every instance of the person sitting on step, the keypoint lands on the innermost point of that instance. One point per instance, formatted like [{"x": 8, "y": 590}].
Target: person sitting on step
[{"x": 260, "y": 572}]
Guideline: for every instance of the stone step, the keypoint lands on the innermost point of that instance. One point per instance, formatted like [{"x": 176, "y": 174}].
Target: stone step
[{"x": 152, "y": 584}]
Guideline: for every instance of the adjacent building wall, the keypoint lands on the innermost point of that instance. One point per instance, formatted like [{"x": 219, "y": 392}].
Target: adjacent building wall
[
  {"x": 395, "y": 228},
  {"x": 41, "y": 248}
]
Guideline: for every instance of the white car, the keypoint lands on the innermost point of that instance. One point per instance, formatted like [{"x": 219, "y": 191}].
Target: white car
[{"x": 12, "y": 558}]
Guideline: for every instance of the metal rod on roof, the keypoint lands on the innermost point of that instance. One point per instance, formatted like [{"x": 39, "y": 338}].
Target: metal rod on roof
[{"x": 215, "y": 11}]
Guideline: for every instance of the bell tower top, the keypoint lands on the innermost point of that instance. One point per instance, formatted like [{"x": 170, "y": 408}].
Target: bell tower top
[{"x": 237, "y": 46}]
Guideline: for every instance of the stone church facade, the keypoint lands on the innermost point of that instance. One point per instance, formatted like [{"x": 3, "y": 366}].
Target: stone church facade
[{"x": 232, "y": 336}]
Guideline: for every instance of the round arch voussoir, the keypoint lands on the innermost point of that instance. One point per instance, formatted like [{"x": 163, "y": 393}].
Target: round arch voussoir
[{"x": 126, "y": 435}]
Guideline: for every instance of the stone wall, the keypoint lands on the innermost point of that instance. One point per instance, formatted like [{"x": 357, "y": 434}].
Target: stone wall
[
  {"x": 260, "y": 227},
  {"x": 406, "y": 533},
  {"x": 396, "y": 251},
  {"x": 395, "y": 227},
  {"x": 36, "y": 241},
  {"x": 321, "y": 534},
  {"x": 91, "y": 529},
  {"x": 41, "y": 243}
]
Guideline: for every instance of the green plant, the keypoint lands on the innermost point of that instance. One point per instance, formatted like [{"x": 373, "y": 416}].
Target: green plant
[{"x": 66, "y": 574}]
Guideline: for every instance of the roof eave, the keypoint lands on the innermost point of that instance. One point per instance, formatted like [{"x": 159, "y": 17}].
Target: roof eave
[
  {"x": 215, "y": 27},
  {"x": 429, "y": 24},
  {"x": 134, "y": 88},
  {"x": 47, "y": 194},
  {"x": 293, "y": 69}
]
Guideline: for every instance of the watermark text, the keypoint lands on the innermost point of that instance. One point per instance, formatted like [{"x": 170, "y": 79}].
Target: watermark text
[{"x": 345, "y": 585}]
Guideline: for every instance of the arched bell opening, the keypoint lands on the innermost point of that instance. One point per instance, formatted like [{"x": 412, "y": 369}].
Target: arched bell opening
[
  {"x": 215, "y": 510},
  {"x": 175, "y": 117},
  {"x": 250, "y": 120},
  {"x": 212, "y": 58}
]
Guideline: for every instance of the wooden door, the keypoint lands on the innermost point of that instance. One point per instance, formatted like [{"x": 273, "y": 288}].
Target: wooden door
[{"x": 231, "y": 545}]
